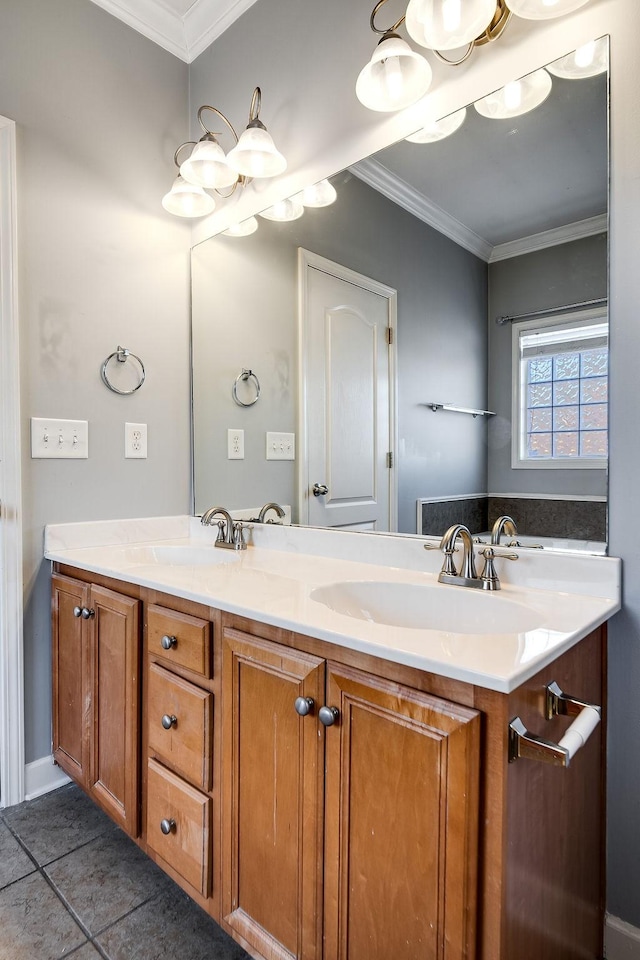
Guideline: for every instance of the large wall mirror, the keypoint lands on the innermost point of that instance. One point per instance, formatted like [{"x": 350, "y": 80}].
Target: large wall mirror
[{"x": 492, "y": 244}]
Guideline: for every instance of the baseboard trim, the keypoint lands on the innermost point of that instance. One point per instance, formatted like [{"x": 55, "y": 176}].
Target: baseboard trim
[
  {"x": 41, "y": 776},
  {"x": 621, "y": 940}
]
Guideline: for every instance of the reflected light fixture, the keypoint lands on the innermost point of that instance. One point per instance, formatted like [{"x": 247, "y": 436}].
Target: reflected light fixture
[
  {"x": 321, "y": 194},
  {"x": 587, "y": 61},
  {"x": 397, "y": 77},
  {"x": 517, "y": 97},
  {"x": 187, "y": 199},
  {"x": 284, "y": 210},
  {"x": 243, "y": 229},
  {"x": 439, "y": 129}
]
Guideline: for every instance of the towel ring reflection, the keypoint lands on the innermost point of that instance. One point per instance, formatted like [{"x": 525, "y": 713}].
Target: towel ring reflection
[
  {"x": 245, "y": 375},
  {"x": 121, "y": 355}
]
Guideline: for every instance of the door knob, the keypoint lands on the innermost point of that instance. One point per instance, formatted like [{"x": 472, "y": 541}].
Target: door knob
[
  {"x": 169, "y": 642},
  {"x": 168, "y": 826},
  {"x": 169, "y": 721},
  {"x": 328, "y": 715},
  {"x": 304, "y": 705},
  {"x": 320, "y": 489}
]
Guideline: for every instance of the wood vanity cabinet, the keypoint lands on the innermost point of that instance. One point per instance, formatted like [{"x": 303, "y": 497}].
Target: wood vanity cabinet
[{"x": 96, "y": 681}]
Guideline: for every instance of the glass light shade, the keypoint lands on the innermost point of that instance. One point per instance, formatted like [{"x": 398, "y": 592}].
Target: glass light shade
[
  {"x": 395, "y": 77},
  {"x": 587, "y": 61},
  {"x": 448, "y": 24},
  {"x": 321, "y": 194},
  {"x": 243, "y": 229},
  {"x": 255, "y": 155},
  {"x": 439, "y": 129},
  {"x": 516, "y": 98},
  {"x": 207, "y": 167},
  {"x": 187, "y": 200},
  {"x": 544, "y": 9},
  {"x": 283, "y": 211}
]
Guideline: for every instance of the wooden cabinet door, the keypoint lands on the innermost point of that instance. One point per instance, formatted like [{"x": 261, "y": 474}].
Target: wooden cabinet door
[
  {"x": 272, "y": 797},
  {"x": 401, "y": 822},
  {"x": 71, "y": 678},
  {"x": 115, "y": 668}
]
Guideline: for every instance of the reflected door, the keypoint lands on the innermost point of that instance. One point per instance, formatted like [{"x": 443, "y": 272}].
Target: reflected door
[{"x": 347, "y": 325}]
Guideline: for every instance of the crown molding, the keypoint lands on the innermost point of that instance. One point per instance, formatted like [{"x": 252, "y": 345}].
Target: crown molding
[
  {"x": 551, "y": 238},
  {"x": 377, "y": 176},
  {"x": 184, "y": 36}
]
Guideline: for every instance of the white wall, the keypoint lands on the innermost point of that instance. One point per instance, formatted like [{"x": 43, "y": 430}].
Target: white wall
[
  {"x": 306, "y": 59},
  {"x": 99, "y": 110}
]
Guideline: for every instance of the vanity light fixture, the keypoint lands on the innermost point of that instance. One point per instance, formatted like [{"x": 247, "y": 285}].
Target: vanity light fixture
[
  {"x": 321, "y": 194},
  {"x": 587, "y": 61},
  {"x": 187, "y": 199},
  {"x": 517, "y": 97},
  {"x": 397, "y": 77},
  {"x": 243, "y": 229},
  {"x": 439, "y": 129},
  {"x": 284, "y": 210}
]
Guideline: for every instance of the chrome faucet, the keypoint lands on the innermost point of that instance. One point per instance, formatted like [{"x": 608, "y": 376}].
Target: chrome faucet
[
  {"x": 506, "y": 525},
  {"x": 467, "y": 576},
  {"x": 264, "y": 511},
  {"x": 230, "y": 533}
]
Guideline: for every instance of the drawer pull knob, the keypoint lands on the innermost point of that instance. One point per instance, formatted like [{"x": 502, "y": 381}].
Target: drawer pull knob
[
  {"x": 169, "y": 642},
  {"x": 87, "y": 614},
  {"x": 168, "y": 826},
  {"x": 77, "y": 611},
  {"x": 328, "y": 715},
  {"x": 169, "y": 720},
  {"x": 304, "y": 705}
]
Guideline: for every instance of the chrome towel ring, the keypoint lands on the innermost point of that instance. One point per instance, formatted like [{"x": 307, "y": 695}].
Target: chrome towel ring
[
  {"x": 245, "y": 375},
  {"x": 121, "y": 355}
]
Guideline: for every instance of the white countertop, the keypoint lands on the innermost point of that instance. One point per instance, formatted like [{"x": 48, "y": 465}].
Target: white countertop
[{"x": 272, "y": 581}]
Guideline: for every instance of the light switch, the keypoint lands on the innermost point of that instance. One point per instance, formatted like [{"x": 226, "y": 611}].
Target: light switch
[
  {"x": 281, "y": 446},
  {"x": 59, "y": 439}
]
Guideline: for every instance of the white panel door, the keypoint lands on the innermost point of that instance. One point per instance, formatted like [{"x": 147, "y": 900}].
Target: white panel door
[{"x": 347, "y": 398}]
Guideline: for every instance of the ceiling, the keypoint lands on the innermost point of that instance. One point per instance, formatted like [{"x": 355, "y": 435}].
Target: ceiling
[{"x": 183, "y": 27}]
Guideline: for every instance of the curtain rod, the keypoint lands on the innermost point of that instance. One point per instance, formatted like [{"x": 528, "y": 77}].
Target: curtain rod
[{"x": 541, "y": 313}]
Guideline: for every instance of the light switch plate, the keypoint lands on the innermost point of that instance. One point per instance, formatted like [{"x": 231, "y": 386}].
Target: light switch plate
[
  {"x": 59, "y": 439},
  {"x": 281, "y": 446}
]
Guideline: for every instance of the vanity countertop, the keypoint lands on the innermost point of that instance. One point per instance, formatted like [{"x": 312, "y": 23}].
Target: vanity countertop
[{"x": 566, "y": 595}]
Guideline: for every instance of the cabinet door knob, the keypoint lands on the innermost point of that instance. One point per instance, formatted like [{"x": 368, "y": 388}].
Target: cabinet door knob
[
  {"x": 328, "y": 715},
  {"x": 304, "y": 705},
  {"x": 169, "y": 720},
  {"x": 169, "y": 642},
  {"x": 87, "y": 614},
  {"x": 168, "y": 826},
  {"x": 77, "y": 611}
]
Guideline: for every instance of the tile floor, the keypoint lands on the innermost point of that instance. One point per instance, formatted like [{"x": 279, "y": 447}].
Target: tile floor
[{"x": 72, "y": 884}]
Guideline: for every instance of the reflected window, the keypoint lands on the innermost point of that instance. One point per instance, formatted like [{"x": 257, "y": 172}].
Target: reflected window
[{"x": 561, "y": 391}]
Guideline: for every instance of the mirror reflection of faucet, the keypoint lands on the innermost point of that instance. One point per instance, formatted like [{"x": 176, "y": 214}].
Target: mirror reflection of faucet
[{"x": 279, "y": 511}]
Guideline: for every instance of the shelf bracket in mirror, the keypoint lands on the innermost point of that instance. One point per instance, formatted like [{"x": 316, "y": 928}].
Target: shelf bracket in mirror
[{"x": 455, "y": 409}]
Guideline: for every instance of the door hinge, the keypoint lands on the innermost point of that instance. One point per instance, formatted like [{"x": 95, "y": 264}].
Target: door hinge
[
  {"x": 389, "y": 335},
  {"x": 390, "y": 459}
]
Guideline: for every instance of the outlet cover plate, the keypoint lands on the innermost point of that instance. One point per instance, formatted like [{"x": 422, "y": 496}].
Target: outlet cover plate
[
  {"x": 135, "y": 441},
  {"x": 281, "y": 446},
  {"x": 59, "y": 439},
  {"x": 235, "y": 444}
]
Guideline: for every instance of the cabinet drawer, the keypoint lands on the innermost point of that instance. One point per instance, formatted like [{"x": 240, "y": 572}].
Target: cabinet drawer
[
  {"x": 189, "y": 639},
  {"x": 179, "y": 725},
  {"x": 185, "y": 814}
]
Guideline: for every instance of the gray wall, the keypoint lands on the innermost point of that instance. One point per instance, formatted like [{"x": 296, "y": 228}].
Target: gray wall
[
  {"x": 245, "y": 314},
  {"x": 568, "y": 273},
  {"x": 99, "y": 110}
]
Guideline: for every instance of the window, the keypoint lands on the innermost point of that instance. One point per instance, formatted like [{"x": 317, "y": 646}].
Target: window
[{"x": 561, "y": 391}]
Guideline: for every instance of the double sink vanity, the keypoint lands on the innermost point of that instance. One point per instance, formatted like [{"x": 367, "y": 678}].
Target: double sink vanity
[{"x": 335, "y": 755}]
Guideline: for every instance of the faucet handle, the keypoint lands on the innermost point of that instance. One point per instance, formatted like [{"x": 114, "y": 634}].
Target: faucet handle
[
  {"x": 489, "y": 577},
  {"x": 221, "y": 530},
  {"x": 238, "y": 535}
]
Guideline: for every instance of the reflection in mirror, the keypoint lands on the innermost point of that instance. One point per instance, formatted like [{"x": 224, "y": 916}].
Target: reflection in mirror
[{"x": 503, "y": 220}]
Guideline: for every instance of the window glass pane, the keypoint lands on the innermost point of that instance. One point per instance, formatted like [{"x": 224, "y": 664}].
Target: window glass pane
[
  {"x": 539, "y": 445},
  {"x": 565, "y": 444},
  {"x": 540, "y": 370},
  {"x": 594, "y": 391},
  {"x": 566, "y": 366},
  {"x": 594, "y": 444},
  {"x": 566, "y": 391},
  {"x": 594, "y": 363},
  {"x": 540, "y": 419},
  {"x": 593, "y": 417},
  {"x": 566, "y": 418},
  {"x": 540, "y": 395}
]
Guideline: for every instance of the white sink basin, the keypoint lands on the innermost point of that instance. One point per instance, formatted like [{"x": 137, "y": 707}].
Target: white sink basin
[
  {"x": 426, "y": 607},
  {"x": 181, "y": 555}
]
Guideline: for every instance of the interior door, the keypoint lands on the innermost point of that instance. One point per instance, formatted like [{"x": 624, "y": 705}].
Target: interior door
[{"x": 347, "y": 324}]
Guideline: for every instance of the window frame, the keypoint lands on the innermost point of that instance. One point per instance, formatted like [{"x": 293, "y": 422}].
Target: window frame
[{"x": 518, "y": 410}]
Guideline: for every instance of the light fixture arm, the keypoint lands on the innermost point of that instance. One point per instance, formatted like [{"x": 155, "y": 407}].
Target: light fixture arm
[
  {"x": 187, "y": 143},
  {"x": 372, "y": 20},
  {"x": 498, "y": 25},
  {"x": 218, "y": 113}
]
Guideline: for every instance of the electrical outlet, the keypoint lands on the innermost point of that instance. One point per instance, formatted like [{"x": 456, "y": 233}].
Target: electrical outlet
[
  {"x": 235, "y": 444},
  {"x": 59, "y": 439},
  {"x": 135, "y": 441},
  {"x": 281, "y": 446}
]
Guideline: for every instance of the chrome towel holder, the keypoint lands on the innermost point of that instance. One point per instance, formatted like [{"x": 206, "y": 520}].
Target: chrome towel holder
[
  {"x": 245, "y": 375},
  {"x": 122, "y": 354}
]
